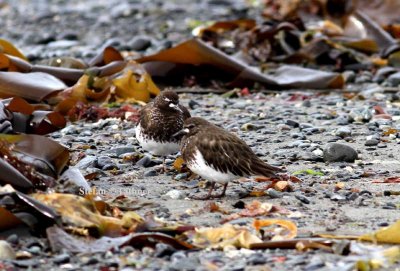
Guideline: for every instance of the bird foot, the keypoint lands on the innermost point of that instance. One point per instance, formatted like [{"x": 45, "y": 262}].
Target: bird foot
[
  {"x": 207, "y": 197},
  {"x": 210, "y": 195}
]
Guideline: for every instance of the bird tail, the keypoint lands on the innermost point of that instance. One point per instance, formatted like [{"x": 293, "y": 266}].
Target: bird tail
[{"x": 261, "y": 168}]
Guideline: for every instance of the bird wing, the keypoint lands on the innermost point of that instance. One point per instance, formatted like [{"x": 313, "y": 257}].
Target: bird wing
[
  {"x": 186, "y": 113},
  {"x": 145, "y": 116},
  {"x": 226, "y": 152}
]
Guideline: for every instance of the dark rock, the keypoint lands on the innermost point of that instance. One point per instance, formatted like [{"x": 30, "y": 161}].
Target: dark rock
[
  {"x": 292, "y": 123},
  {"x": 336, "y": 152},
  {"x": 273, "y": 193},
  {"x": 68, "y": 36},
  {"x": 102, "y": 161},
  {"x": 193, "y": 104},
  {"x": 146, "y": 161},
  {"x": 89, "y": 260},
  {"x": 394, "y": 79},
  {"x": 30, "y": 263},
  {"x": 140, "y": 43},
  {"x": 299, "y": 136},
  {"x": 62, "y": 258},
  {"x": 13, "y": 239},
  {"x": 372, "y": 142},
  {"x": 256, "y": 259},
  {"x": 239, "y": 204},
  {"x": 163, "y": 250},
  {"x": 150, "y": 173},
  {"x": 302, "y": 198},
  {"x": 383, "y": 224}
]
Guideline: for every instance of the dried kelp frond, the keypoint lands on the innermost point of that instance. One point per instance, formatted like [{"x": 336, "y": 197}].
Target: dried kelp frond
[{"x": 38, "y": 180}]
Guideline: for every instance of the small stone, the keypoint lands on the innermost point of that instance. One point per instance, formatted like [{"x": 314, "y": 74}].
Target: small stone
[
  {"x": 22, "y": 254},
  {"x": 181, "y": 176},
  {"x": 31, "y": 263},
  {"x": 256, "y": 259},
  {"x": 86, "y": 162},
  {"x": 343, "y": 132},
  {"x": 110, "y": 166},
  {"x": 140, "y": 43},
  {"x": 390, "y": 206},
  {"x": 103, "y": 161},
  {"x": 35, "y": 250},
  {"x": 305, "y": 126},
  {"x": 6, "y": 251},
  {"x": 302, "y": 198},
  {"x": 361, "y": 115},
  {"x": 175, "y": 194},
  {"x": 273, "y": 193},
  {"x": 306, "y": 103},
  {"x": 249, "y": 127},
  {"x": 122, "y": 150},
  {"x": 338, "y": 197},
  {"x": 144, "y": 162},
  {"x": 394, "y": 79},
  {"x": 349, "y": 76},
  {"x": 150, "y": 173},
  {"x": 193, "y": 104},
  {"x": 177, "y": 256},
  {"x": 336, "y": 152},
  {"x": 342, "y": 120},
  {"x": 239, "y": 204},
  {"x": 292, "y": 123},
  {"x": 163, "y": 250},
  {"x": 372, "y": 142},
  {"x": 62, "y": 258},
  {"x": 127, "y": 249},
  {"x": 352, "y": 196},
  {"x": 89, "y": 260},
  {"x": 13, "y": 239},
  {"x": 299, "y": 136}
]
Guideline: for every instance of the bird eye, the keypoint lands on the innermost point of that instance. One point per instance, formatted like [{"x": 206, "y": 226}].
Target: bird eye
[{"x": 190, "y": 126}]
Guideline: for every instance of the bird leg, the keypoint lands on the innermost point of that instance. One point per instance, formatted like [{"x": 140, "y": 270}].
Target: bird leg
[
  {"x": 208, "y": 196},
  {"x": 165, "y": 169},
  {"x": 223, "y": 192}
]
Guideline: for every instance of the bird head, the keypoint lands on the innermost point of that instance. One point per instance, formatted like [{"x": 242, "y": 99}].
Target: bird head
[
  {"x": 192, "y": 126},
  {"x": 168, "y": 100}
]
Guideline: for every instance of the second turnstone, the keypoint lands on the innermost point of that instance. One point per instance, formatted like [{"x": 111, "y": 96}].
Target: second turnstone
[
  {"x": 159, "y": 120},
  {"x": 219, "y": 156}
]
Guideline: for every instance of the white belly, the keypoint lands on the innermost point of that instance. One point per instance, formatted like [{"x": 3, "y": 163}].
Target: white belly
[
  {"x": 199, "y": 166},
  {"x": 154, "y": 147}
]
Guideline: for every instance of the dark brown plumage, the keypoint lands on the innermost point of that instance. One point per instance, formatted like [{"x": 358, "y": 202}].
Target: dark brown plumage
[
  {"x": 159, "y": 120},
  {"x": 221, "y": 151}
]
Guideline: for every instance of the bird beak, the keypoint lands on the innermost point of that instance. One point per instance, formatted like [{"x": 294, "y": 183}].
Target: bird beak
[
  {"x": 175, "y": 106},
  {"x": 181, "y": 133}
]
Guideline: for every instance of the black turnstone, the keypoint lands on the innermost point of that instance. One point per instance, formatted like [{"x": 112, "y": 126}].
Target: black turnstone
[
  {"x": 219, "y": 156},
  {"x": 159, "y": 120}
]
